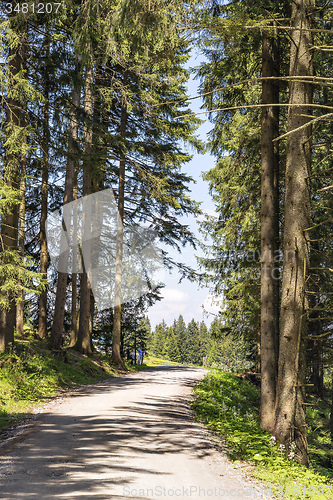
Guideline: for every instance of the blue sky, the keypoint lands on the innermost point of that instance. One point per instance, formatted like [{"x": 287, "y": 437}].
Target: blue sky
[{"x": 187, "y": 298}]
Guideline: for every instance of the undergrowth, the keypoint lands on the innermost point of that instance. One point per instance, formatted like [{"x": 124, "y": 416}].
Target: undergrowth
[
  {"x": 32, "y": 374},
  {"x": 230, "y": 407}
]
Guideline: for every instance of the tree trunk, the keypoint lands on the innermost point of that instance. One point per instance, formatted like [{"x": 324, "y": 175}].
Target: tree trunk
[
  {"x": 9, "y": 218},
  {"x": 59, "y": 310},
  {"x": 290, "y": 425},
  {"x": 269, "y": 231},
  {"x": 42, "y": 318},
  {"x": 74, "y": 329},
  {"x": 83, "y": 343},
  {"x": 21, "y": 222},
  {"x": 116, "y": 334},
  {"x": 21, "y": 234}
]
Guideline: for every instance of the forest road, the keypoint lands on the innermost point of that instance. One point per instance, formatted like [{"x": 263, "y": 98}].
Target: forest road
[{"x": 125, "y": 438}]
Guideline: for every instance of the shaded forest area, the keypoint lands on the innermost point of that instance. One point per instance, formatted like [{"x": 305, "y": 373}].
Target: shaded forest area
[{"x": 94, "y": 97}]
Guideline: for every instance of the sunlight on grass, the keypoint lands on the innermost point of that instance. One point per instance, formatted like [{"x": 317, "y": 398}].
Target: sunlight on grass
[
  {"x": 31, "y": 374},
  {"x": 152, "y": 361},
  {"x": 230, "y": 407}
]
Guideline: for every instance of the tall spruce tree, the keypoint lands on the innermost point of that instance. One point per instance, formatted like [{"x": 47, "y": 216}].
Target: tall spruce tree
[
  {"x": 290, "y": 424},
  {"x": 14, "y": 275},
  {"x": 180, "y": 331},
  {"x": 159, "y": 338}
]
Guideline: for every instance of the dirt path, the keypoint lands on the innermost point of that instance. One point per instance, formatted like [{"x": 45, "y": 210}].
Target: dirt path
[{"x": 126, "y": 438}]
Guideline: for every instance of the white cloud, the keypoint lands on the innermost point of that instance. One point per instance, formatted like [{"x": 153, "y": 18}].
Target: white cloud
[
  {"x": 174, "y": 295},
  {"x": 174, "y": 303}
]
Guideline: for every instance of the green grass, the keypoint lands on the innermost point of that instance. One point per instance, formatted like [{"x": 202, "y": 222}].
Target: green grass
[
  {"x": 153, "y": 361},
  {"x": 31, "y": 375},
  {"x": 230, "y": 407}
]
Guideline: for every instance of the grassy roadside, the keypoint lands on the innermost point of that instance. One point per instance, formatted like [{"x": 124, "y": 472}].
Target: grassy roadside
[
  {"x": 153, "y": 361},
  {"x": 230, "y": 407},
  {"x": 32, "y": 374}
]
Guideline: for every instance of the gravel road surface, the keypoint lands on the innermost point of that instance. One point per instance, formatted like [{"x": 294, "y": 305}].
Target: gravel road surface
[{"x": 125, "y": 438}]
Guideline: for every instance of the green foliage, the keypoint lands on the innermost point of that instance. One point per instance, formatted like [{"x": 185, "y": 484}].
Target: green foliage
[
  {"x": 135, "y": 329},
  {"x": 193, "y": 343},
  {"x": 159, "y": 339},
  {"x": 180, "y": 331},
  {"x": 230, "y": 407},
  {"x": 16, "y": 274},
  {"x": 318, "y": 412},
  {"x": 229, "y": 79},
  {"x": 227, "y": 351},
  {"x": 170, "y": 348}
]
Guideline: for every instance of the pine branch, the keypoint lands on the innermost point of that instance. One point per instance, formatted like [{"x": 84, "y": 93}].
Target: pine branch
[{"x": 256, "y": 81}]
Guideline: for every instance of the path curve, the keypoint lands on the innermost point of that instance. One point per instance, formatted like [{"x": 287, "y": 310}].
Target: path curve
[{"x": 122, "y": 439}]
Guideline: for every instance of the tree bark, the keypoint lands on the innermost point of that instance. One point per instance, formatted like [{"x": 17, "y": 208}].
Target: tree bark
[
  {"x": 59, "y": 310},
  {"x": 116, "y": 334},
  {"x": 74, "y": 329},
  {"x": 269, "y": 231},
  {"x": 290, "y": 424},
  {"x": 42, "y": 318},
  {"x": 83, "y": 343}
]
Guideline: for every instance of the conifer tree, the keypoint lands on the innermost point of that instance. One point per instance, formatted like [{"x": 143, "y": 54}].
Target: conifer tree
[
  {"x": 290, "y": 425},
  {"x": 164, "y": 189},
  {"x": 14, "y": 139},
  {"x": 180, "y": 331},
  {"x": 193, "y": 347},
  {"x": 59, "y": 310},
  {"x": 159, "y": 338},
  {"x": 42, "y": 316},
  {"x": 83, "y": 343}
]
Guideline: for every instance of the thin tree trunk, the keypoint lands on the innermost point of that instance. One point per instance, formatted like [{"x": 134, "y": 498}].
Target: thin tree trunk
[
  {"x": 116, "y": 334},
  {"x": 59, "y": 310},
  {"x": 21, "y": 222},
  {"x": 42, "y": 318},
  {"x": 83, "y": 343},
  {"x": 74, "y": 329},
  {"x": 21, "y": 234},
  {"x": 269, "y": 231},
  {"x": 290, "y": 424}
]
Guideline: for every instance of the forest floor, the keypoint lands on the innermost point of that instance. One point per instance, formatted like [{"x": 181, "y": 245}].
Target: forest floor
[{"x": 123, "y": 438}]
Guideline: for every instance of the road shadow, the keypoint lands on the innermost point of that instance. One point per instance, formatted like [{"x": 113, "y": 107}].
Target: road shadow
[{"x": 67, "y": 454}]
